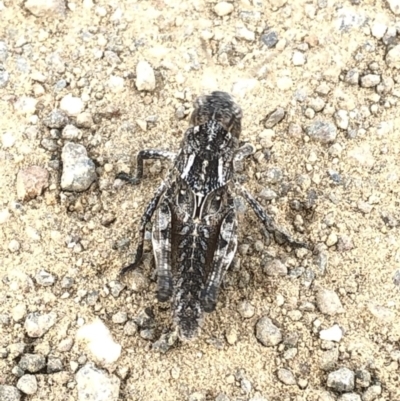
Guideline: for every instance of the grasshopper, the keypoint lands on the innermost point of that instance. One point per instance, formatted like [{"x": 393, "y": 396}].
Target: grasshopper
[{"x": 194, "y": 233}]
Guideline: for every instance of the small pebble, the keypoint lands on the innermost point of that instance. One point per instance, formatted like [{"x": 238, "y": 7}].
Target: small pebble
[
  {"x": 44, "y": 278},
  {"x": 274, "y": 117},
  {"x": 328, "y": 302},
  {"x": 65, "y": 345},
  {"x": 54, "y": 365},
  {"x": 286, "y": 377},
  {"x": 79, "y": 171},
  {"x": 274, "y": 267},
  {"x": 298, "y": 58},
  {"x": 145, "y": 78},
  {"x": 95, "y": 384},
  {"x": 370, "y": 80},
  {"x": 267, "y": 333},
  {"x": 393, "y": 57},
  {"x": 56, "y": 119},
  {"x": 32, "y": 362},
  {"x": 341, "y": 380},
  {"x": 332, "y": 239},
  {"x": 47, "y": 8},
  {"x": 120, "y": 317},
  {"x": 36, "y": 324},
  {"x": 322, "y": 131},
  {"x": 246, "y": 309},
  {"x": 31, "y": 182},
  {"x": 70, "y": 132},
  {"x": 27, "y": 384},
  {"x": 72, "y": 105},
  {"x": 9, "y": 393},
  {"x": 270, "y": 39},
  {"x": 349, "y": 397},
  {"x": 394, "y": 6},
  {"x": 372, "y": 393},
  {"x": 14, "y": 246},
  {"x": 334, "y": 333},
  {"x": 223, "y": 8},
  {"x": 197, "y": 397}
]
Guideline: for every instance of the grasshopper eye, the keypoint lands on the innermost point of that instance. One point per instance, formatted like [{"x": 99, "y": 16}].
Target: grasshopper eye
[{"x": 214, "y": 204}]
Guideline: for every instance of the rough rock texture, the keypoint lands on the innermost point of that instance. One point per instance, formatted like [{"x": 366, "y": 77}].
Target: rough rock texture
[{"x": 31, "y": 182}]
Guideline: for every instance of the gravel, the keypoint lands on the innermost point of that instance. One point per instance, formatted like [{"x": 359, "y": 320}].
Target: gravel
[
  {"x": 267, "y": 333},
  {"x": 79, "y": 171},
  {"x": 4, "y": 78},
  {"x": 329, "y": 359},
  {"x": 46, "y": 8},
  {"x": 94, "y": 384},
  {"x": 370, "y": 80},
  {"x": 350, "y": 397},
  {"x": 393, "y": 57},
  {"x": 341, "y": 380},
  {"x": 71, "y": 105},
  {"x": 246, "y": 310},
  {"x": 372, "y": 393},
  {"x": 45, "y": 278}
]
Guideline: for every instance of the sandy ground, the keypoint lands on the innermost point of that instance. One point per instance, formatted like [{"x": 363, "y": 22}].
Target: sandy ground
[{"x": 192, "y": 51}]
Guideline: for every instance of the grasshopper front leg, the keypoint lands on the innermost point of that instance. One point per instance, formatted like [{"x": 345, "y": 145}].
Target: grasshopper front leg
[{"x": 146, "y": 154}]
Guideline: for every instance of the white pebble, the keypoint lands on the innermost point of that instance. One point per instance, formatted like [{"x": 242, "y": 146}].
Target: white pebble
[
  {"x": 298, "y": 58},
  {"x": 223, "y": 8},
  {"x": 8, "y": 140},
  {"x": 334, "y": 333},
  {"x": 71, "y": 105},
  {"x": 116, "y": 84},
  {"x": 98, "y": 341},
  {"x": 145, "y": 78}
]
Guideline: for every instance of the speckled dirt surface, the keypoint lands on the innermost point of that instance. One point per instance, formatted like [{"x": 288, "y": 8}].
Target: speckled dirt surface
[{"x": 192, "y": 51}]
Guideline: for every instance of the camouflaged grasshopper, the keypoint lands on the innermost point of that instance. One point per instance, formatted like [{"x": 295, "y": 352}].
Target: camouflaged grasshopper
[{"x": 194, "y": 232}]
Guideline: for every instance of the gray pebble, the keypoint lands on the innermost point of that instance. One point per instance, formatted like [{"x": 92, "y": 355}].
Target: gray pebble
[
  {"x": 65, "y": 345},
  {"x": 165, "y": 342},
  {"x": 197, "y": 397},
  {"x": 274, "y": 117},
  {"x": 342, "y": 119},
  {"x": 71, "y": 132},
  {"x": 274, "y": 267},
  {"x": 79, "y": 171},
  {"x": 258, "y": 397},
  {"x": 222, "y": 397},
  {"x": 326, "y": 396},
  {"x": 16, "y": 349},
  {"x": 9, "y": 393},
  {"x": 322, "y": 131},
  {"x": 50, "y": 8},
  {"x": 120, "y": 317},
  {"x": 17, "y": 371},
  {"x": 44, "y": 278},
  {"x": 84, "y": 120},
  {"x": 56, "y": 119},
  {"x": 349, "y": 397},
  {"x": 54, "y": 365},
  {"x": 139, "y": 282},
  {"x": 148, "y": 334},
  {"x": 328, "y": 359},
  {"x": 246, "y": 309},
  {"x": 92, "y": 297},
  {"x": 49, "y": 144},
  {"x": 4, "y": 78},
  {"x": 393, "y": 57},
  {"x": 180, "y": 113},
  {"x": 286, "y": 377},
  {"x": 317, "y": 104},
  {"x": 32, "y": 362},
  {"x": 67, "y": 282},
  {"x": 270, "y": 39},
  {"x": 145, "y": 319},
  {"x": 27, "y": 384},
  {"x": 116, "y": 288},
  {"x": 3, "y": 52},
  {"x": 36, "y": 324},
  {"x": 396, "y": 278},
  {"x": 308, "y": 278},
  {"x": 352, "y": 77},
  {"x": 341, "y": 380},
  {"x": 95, "y": 384},
  {"x": 130, "y": 328},
  {"x": 268, "y": 194},
  {"x": 328, "y": 302},
  {"x": 267, "y": 333},
  {"x": 370, "y": 80},
  {"x": 372, "y": 393}
]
